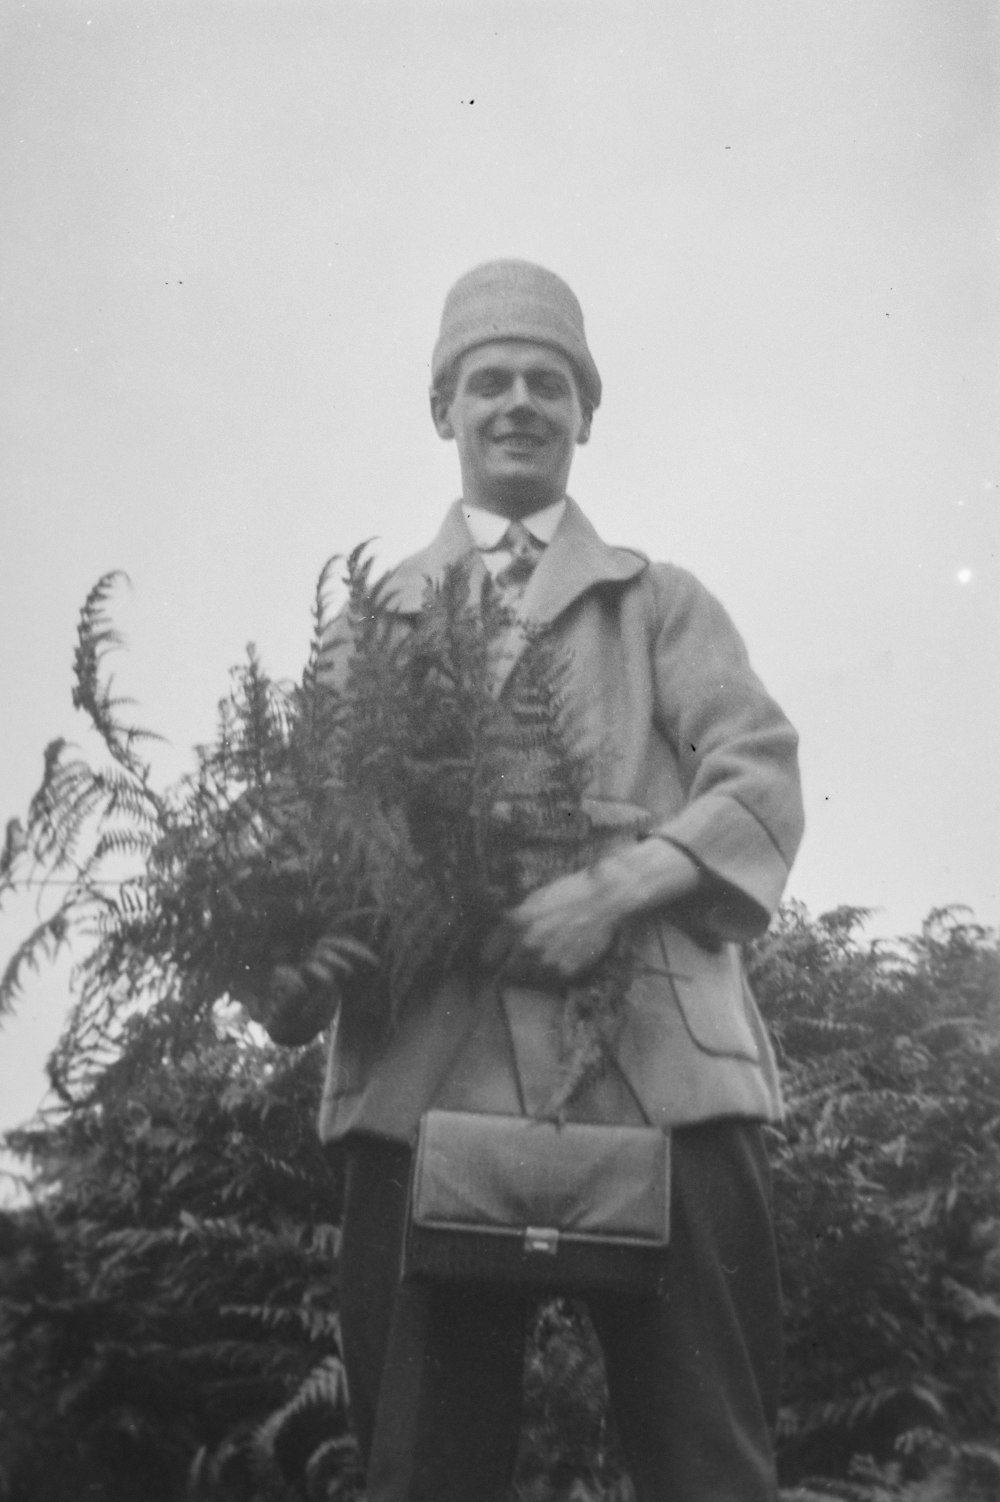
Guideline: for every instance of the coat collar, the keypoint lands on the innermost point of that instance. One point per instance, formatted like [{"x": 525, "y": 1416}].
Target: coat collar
[{"x": 575, "y": 560}]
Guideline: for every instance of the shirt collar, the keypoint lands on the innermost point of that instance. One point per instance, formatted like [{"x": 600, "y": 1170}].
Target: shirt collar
[{"x": 487, "y": 527}]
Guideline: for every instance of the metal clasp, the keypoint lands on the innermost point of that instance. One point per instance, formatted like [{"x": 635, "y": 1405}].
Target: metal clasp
[{"x": 541, "y": 1239}]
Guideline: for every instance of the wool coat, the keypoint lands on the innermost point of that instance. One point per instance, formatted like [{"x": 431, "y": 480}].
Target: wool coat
[{"x": 675, "y": 722}]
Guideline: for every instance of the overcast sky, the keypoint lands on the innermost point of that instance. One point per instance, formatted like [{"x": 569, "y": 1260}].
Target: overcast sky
[{"x": 227, "y": 233}]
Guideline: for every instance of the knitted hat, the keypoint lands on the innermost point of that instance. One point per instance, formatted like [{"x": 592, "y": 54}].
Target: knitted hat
[{"x": 514, "y": 300}]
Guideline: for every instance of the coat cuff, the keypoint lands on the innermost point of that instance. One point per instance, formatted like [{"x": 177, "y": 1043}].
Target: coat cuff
[{"x": 744, "y": 870}]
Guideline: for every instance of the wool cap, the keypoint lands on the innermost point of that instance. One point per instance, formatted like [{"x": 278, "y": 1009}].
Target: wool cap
[{"x": 514, "y": 300}]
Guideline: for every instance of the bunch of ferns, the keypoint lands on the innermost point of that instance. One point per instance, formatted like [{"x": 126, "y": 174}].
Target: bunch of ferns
[{"x": 366, "y": 829}]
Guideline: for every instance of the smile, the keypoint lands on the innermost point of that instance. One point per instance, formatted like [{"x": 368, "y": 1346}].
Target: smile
[{"x": 520, "y": 440}]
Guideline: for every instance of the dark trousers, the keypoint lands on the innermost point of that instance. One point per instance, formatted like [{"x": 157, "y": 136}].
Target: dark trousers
[{"x": 435, "y": 1370}]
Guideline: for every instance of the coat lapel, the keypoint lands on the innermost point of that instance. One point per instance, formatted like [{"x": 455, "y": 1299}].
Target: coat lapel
[
  {"x": 575, "y": 561},
  {"x": 453, "y": 542}
]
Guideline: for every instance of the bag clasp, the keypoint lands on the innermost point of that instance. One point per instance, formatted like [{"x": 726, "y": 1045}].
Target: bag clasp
[{"x": 541, "y": 1240}]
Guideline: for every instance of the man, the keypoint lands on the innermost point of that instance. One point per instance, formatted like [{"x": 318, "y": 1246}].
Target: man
[{"x": 675, "y": 722}]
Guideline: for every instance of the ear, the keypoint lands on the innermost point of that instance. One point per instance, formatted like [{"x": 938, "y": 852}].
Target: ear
[{"x": 439, "y": 415}]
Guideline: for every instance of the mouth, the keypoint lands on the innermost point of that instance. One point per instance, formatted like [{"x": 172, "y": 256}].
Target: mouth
[{"x": 521, "y": 443}]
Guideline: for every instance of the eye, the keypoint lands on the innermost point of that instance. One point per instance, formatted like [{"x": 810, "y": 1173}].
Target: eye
[
  {"x": 545, "y": 384},
  {"x": 486, "y": 383}
]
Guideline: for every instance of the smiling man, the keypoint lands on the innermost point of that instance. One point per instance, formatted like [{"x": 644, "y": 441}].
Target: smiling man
[
  {"x": 516, "y": 415},
  {"x": 677, "y": 724}
]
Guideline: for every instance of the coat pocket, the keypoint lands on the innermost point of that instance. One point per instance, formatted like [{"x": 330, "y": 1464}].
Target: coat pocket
[{"x": 708, "y": 989}]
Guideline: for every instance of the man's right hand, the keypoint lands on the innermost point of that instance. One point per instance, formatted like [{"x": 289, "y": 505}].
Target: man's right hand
[{"x": 294, "y": 1008}]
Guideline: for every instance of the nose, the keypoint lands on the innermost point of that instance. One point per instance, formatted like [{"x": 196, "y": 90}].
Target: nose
[{"x": 519, "y": 397}]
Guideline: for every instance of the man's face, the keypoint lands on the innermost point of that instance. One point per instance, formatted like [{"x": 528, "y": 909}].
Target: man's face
[{"x": 516, "y": 417}]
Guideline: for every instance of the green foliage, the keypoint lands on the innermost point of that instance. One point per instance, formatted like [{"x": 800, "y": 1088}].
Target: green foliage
[
  {"x": 569, "y": 1449},
  {"x": 887, "y": 1203},
  {"x": 465, "y": 799},
  {"x": 170, "y": 1290},
  {"x": 381, "y": 816},
  {"x": 170, "y": 1298},
  {"x": 888, "y": 1181},
  {"x": 386, "y": 811},
  {"x": 168, "y": 1318}
]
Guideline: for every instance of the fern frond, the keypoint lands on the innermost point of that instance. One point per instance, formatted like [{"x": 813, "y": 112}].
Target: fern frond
[
  {"x": 93, "y": 691},
  {"x": 123, "y": 841},
  {"x": 14, "y": 845},
  {"x": 324, "y": 1387},
  {"x": 316, "y": 1324},
  {"x": 41, "y": 946},
  {"x": 241, "y": 1356}
]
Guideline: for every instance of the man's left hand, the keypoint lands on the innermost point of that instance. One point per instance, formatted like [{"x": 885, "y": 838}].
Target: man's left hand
[{"x": 566, "y": 926}]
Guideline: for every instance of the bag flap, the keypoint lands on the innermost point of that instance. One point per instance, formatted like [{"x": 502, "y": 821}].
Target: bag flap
[{"x": 512, "y": 1171}]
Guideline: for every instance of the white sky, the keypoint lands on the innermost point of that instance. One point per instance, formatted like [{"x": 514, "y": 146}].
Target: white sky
[{"x": 227, "y": 233}]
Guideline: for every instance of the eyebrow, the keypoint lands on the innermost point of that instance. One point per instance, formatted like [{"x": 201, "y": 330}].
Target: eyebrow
[{"x": 494, "y": 372}]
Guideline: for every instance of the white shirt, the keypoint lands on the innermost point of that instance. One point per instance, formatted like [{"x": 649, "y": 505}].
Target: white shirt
[{"x": 487, "y": 528}]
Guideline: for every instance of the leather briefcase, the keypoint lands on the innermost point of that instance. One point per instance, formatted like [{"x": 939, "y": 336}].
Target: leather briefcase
[{"x": 562, "y": 1208}]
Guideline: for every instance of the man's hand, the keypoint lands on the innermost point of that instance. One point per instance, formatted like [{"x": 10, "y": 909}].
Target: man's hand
[
  {"x": 566, "y": 926},
  {"x": 291, "y": 1007}
]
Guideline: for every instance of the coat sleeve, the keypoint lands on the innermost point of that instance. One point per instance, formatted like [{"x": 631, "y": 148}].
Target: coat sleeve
[{"x": 742, "y": 820}]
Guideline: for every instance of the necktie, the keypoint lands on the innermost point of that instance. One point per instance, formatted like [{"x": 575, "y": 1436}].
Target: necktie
[
  {"x": 510, "y": 582},
  {"x": 524, "y": 555}
]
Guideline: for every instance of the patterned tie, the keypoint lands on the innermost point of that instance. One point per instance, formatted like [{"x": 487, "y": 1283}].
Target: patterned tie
[
  {"x": 525, "y": 552},
  {"x": 509, "y": 583}
]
